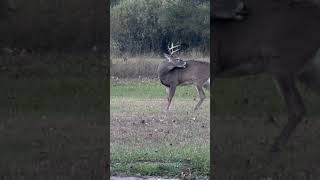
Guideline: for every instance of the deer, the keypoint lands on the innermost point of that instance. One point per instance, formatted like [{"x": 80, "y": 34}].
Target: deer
[
  {"x": 177, "y": 72},
  {"x": 278, "y": 38}
]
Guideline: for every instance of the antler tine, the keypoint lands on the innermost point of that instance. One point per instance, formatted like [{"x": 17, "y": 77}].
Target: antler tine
[
  {"x": 175, "y": 51},
  {"x": 171, "y": 49}
]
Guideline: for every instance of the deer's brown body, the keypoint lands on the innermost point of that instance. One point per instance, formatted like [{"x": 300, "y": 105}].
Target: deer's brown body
[
  {"x": 279, "y": 38},
  {"x": 176, "y": 72},
  {"x": 195, "y": 72}
]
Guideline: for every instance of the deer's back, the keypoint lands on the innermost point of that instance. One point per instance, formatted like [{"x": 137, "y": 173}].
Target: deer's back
[
  {"x": 276, "y": 34},
  {"x": 195, "y": 72}
]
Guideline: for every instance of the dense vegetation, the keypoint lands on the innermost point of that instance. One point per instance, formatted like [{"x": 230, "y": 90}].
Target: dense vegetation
[{"x": 144, "y": 26}]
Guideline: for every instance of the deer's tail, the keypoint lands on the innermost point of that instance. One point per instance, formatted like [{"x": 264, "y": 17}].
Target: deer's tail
[
  {"x": 207, "y": 84},
  {"x": 310, "y": 75}
]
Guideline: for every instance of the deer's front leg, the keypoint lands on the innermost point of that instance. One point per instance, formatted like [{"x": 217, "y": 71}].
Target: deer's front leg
[
  {"x": 170, "y": 93},
  {"x": 295, "y": 107}
]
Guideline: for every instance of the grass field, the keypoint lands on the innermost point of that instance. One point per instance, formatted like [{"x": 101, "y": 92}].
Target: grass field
[
  {"x": 147, "y": 141},
  {"x": 52, "y": 123},
  {"x": 248, "y": 114}
]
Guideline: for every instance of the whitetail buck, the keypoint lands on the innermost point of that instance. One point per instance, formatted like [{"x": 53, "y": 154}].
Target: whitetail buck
[
  {"x": 175, "y": 72},
  {"x": 279, "y": 38}
]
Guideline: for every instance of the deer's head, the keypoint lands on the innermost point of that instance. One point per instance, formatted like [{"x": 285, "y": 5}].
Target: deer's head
[{"x": 175, "y": 62}]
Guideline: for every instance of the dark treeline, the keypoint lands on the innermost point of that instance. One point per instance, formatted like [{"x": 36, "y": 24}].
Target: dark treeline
[
  {"x": 44, "y": 25},
  {"x": 144, "y": 26}
]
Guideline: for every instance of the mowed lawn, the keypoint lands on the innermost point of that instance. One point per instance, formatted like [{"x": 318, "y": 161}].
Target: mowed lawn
[{"x": 148, "y": 141}]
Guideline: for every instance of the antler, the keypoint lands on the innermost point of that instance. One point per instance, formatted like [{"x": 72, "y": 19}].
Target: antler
[{"x": 171, "y": 49}]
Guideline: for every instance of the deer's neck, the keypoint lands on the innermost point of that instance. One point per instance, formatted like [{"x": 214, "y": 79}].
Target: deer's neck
[{"x": 164, "y": 68}]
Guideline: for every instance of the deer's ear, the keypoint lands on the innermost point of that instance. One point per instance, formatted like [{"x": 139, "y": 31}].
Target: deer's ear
[{"x": 168, "y": 58}]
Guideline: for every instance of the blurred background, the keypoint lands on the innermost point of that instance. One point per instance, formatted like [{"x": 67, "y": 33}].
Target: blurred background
[{"x": 53, "y": 98}]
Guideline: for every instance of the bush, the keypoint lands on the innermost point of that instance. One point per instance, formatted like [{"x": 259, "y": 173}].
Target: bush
[{"x": 144, "y": 26}]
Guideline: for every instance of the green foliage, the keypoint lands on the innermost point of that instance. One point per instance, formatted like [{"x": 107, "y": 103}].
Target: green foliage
[
  {"x": 140, "y": 26},
  {"x": 188, "y": 21}
]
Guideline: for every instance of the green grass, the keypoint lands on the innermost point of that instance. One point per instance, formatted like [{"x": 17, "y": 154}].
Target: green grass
[
  {"x": 239, "y": 95},
  {"x": 148, "y": 89},
  {"x": 244, "y": 104},
  {"x": 162, "y": 161},
  {"x": 146, "y": 141}
]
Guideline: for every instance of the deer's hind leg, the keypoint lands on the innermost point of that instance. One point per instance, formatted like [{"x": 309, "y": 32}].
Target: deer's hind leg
[
  {"x": 170, "y": 93},
  {"x": 202, "y": 96},
  {"x": 295, "y": 107}
]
